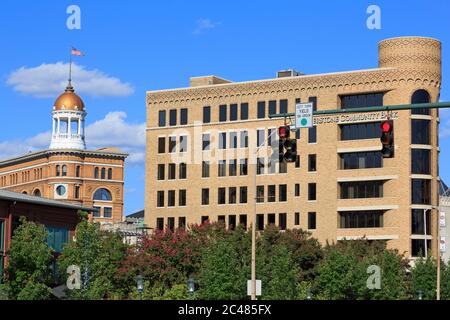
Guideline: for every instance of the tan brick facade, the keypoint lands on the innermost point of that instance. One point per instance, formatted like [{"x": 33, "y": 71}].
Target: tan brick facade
[{"x": 406, "y": 65}]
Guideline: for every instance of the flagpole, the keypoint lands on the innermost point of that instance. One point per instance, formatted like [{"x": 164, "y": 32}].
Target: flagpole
[{"x": 70, "y": 67}]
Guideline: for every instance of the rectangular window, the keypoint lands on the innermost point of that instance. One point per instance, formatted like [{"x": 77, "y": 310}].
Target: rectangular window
[
  {"x": 260, "y": 222},
  {"x": 107, "y": 212},
  {"x": 77, "y": 192},
  {"x": 205, "y": 197},
  {"x": 206, "y": 141},
  {"x": 361, "y": 219},
  {"x": 271, "y": 193},
  {"x": 271, "y": 219},
  {"x": 244, "y": 139},
  {"x": 160, "y": 224},
  {"x": 232, "y": 168},
  {"x": 173, "y": 117},
  {"x": 160, "y": 199},
  {"x": 362, "y": 100},
  {"x": 282, "y": 167},
  {"x": 182, "y": 198},
  {"x": 182, "y": 222},
  {"x": 205, "y": 169},
  {"x": 183, "y": 171},
  {"x": 297, "y": 161},
  {"x": 361, "y": 189},
  {"x": 312, "y": 135},
  {"x": 204, "y": 219},
  {"x": 231, "y": 222},
  {"x": 260, "y": 137},
  {"x": 244, "y": 111},
  {"x": 312, "y": 163},
  {"x": 243, "y": 167},
  {"x": 243, "y": 221},
  {"x": 260, "y": 166},
  {"x": 223, "y": 113},
  {"x": 312, "y": 221},
  {"x": 207, "y": 114},
  {"x": 312, "y": 196},
  {"x": 232, "y": 195},
  {"x": 56, "y": 239},
  {"x": 282, "y": 192},
  {"x": 361, "y": 160},
  {"x": 171, "y": 198},
  {"x": 420, "y": 191},
  {"x": 162, "y": 118},
  {"x": 222, "y": 168},
  {"x": 420, "y": 161},
  {"x": 418, "y": 247},
  {"x": 171, "y": 223},
  {"x": 282, "y": 221},
  {"x": 297, "y": 218},
  {"x": 183, "y": 116},
  {"x": 97, "y": 212},
  {"x": 261, "y": 109},
  {"x": 221, "y": 220},
  {"x": 283, "y": 106},
  {"x": 233, "y": 140},
  {"x": 417, "y": 221},
  {"x": 297, "y": 190},
  {"x": 243, "y": 195},
  {"x": 233, "y": 112},
  {"x": 420, "y": 131},
  {"x": 172, "y": 171},
  {"x": 183, "y": 143},
  {"x": 161, "y": 145},
  {"x": 272, "y": 107},
  {"x": 260, "y": 194},
  {"x": 161, "y": 171},
  {"x": 172, "y": 144},
  {"x": 360, "y": 131},
  {"x": 222, "y": 140},
  {"x": 221, "y": 196}
]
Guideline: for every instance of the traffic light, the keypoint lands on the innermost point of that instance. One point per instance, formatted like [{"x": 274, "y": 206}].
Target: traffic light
[
  {"x": 288, "y": 147},
  {"x": 387, "y": 139}
]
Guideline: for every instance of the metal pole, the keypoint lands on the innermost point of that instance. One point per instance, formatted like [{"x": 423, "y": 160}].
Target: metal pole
[
  {"x": 425, "y": 231},
  {"x": 253, "y": 296},
  {"x": 438, "y": 276}
]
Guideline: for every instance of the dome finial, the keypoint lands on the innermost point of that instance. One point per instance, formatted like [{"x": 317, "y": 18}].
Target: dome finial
[{"x": 69, "y": 87}]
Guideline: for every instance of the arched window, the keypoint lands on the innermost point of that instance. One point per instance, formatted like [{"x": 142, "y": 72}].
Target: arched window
[
  {"x": 58, "y": 170},
  {"x": 109, "y": 174},
  {"x": 78, "y": 171},
  {"x": 102, "y": 195},
  {"x": 420, "y": 96},
  {"x": 96, "y": 173},
  {"x": 103, "y": 173},
  {"x": 64, "y": 171},
  {"x": 24, "y": 192},
  {"x": 37, "y": 193}
]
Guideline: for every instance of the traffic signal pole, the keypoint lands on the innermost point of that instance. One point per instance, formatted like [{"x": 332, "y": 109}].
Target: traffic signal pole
[{"x": 436, "y": 105}]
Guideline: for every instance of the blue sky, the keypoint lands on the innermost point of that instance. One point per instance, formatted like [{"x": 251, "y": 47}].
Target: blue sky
[{"x": 136, "y": 46}]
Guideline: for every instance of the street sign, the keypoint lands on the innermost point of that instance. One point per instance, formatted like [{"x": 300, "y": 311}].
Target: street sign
[
  {"x": 304, "y": 115},
  {"x": 249, "y": 287},
  {"x": 442, "y": 244}
]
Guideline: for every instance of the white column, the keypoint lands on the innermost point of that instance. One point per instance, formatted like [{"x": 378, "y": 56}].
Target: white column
[
  {"x": 59, "y": 126},
  {"x": 69, "y": 131},
  {"x": 79, "y": 126},
  {"x": 53, "y": 126}
]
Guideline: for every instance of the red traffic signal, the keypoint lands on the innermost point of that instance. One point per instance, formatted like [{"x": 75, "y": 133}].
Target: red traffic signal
[
  {"x": 283, "y": 132},
  {"x": 386, "y": 126},
  {"x": 387, "y": 139}
]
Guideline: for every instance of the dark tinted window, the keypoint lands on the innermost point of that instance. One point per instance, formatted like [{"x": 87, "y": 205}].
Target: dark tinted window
[
  {"x": 221, "y": 196},
  {"x": 233, "y": 112},
  {"x": 259, "y": 222},
  {"x": 184, "y": 116},
  {"x": 205, "y": 196},
  {"x": 160, "y": 199},
  {"x": 272, "y": 107},
  {"x": 420, "y": 131},
  {"x": 173, "y": 117},
  {"x": 271, "y": 193},
  {"x": 360, "y": 131},
  {"x": 418, "y": 247},
  {"x": 420, "y": 96},
  {"x": 161, "y": 145},
  {"x": 283, "y": 106},
  {"x": 311, "y": 220},
  {"x": 312, "y": 135},
  {"x": 312, "y": 163},
  {"x": 282, "y": 194},
  {"x": 261, "y": 109},
  {"x": 361, "y": 219},
  {"x": 223, "y": 113},
  {"x": 361, "y": 189},
  {"x": 160, "y": 224},
  {"x": 207, "y": 114},
  {"x": 420, "y": 161},
  {"x": 162, "y": 118},
  {"x": 231, "y": 222},
  {"x": 362, "y": 100},
  {"x": 161, "y": 171},
  {"x": 417, "y": 221},
  {"x": 243, "y": 195},
  {"x": 244, "y": 111},
  {"x": 182, "y": 198},
  {"x": 361, "y": 160},
  {"x": 421, "y": 191},
  {"x": 312, "y": 196}
]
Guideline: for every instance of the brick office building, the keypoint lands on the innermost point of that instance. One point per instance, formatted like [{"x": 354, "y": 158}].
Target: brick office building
[
  {"x": 66, "y": 171},
  {"x": 201, "y": 161}
]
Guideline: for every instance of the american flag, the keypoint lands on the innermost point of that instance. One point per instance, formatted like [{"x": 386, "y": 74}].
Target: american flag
[{"x": 76, "y": 52}]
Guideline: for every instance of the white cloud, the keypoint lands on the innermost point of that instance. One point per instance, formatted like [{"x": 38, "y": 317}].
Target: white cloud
[
  {"x": 203, "y": 25},
  {"x": 111, "y": 131},
  {"x": 49, "y": 80}
]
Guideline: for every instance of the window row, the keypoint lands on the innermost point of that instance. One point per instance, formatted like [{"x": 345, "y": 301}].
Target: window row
[
  {"x": 361, "y": 189},
  {"x": 233, "y": 112},
  {"x": 361, "y": 219},
  {"x": 171, "y": 198},
  {"x": 173, "y": 145},
  {"x": 171, "y": 172},
  {"x": 173, "y": 117},
  {"x": 102, "y": 173},
  {"x": 161, "y": 224},
  {"x": 361, "y": 160},
  {"x": 102, "y": 212}
]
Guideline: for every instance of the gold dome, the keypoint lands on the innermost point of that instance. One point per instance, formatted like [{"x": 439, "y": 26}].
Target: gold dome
[{"x": 69, "y": 100}]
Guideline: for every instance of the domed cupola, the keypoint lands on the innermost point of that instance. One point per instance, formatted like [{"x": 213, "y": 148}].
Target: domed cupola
[{"x": 68, "y": 121}]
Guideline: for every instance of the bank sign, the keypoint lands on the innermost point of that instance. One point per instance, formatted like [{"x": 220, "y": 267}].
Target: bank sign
[{"x": 355, "y": 117}]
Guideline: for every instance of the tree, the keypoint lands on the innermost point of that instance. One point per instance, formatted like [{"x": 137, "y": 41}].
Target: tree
[
  {"x": 423, "y": 278},
  {"x": 99, "y": 255},
  {"x": 29, "y": 271}
]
